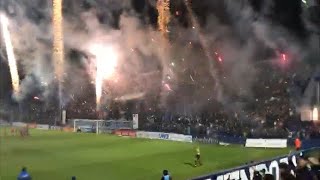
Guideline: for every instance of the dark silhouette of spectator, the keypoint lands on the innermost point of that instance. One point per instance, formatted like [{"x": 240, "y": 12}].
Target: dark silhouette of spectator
[
  {"x": 285, "y": 173},
  {"x": 268, "y": 177},
  {"x": 303, "y": 170},
  {"x": 166, "y": 175},
  {"x": 24, "y": 175},
  {"x": 257, "y": 176}
]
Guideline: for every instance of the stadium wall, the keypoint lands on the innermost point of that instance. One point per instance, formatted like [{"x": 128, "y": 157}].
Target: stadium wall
[
  {"x": 311, "y": 143},
  {"x": 246, "y": 172}
]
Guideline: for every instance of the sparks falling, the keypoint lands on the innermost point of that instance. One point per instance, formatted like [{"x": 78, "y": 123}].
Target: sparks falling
[
  {"x": 58, "y": 46},
  {"x": 11, "y": 58},
  {"x": 284, "y": 57},
  {"x": 163, "y": 7},
  {"x": 205, "y": 45},
  {"x": 106, "y": 62}
]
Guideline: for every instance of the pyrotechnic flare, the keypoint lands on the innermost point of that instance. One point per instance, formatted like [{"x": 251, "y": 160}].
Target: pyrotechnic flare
[
  {"x": 11, "y": 59},
  {"x": 106, "y": 62},
  {"x": 58, "y": 46},
  {"x": 163, "y": 7},
  {"x": 315, "y": 114}
]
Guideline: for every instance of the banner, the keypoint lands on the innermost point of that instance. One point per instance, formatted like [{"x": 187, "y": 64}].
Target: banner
[
  {"x": 270, "y": 166},
  {"x": 267, "y": 143},
  {"x": 246, "y": 172},
  {"x": 135, "y": 119}
]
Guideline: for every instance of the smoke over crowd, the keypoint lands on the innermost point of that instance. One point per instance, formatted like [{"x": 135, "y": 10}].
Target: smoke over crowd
[{"x": 248, "y": 42}]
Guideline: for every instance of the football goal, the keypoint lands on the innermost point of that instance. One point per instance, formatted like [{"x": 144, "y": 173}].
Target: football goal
[
  {"x": 100, "y": 126},
  {"x": 87, "y": 125}
]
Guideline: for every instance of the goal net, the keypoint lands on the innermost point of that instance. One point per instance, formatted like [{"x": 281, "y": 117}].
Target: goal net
[
  {"x": 87, "y": 125},
  {"x": 100, "y": 126}
]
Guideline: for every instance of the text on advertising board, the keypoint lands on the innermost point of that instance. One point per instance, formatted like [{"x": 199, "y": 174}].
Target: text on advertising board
[{"x": 163, "y": 136}]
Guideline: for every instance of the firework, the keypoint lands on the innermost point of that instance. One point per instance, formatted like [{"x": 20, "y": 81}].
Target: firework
[
  {"x": 106, "y": 62},
  {"x": 58, "y": 46},
  {"x": 163, "y": 7},
  {"x": 205, "y": 45},
  {"x": 11, "y": 58},
  {"x": 315, "y": 114}
]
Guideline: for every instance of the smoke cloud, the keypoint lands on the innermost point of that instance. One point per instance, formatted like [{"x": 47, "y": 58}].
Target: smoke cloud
[{"x": 147, "y": 65}]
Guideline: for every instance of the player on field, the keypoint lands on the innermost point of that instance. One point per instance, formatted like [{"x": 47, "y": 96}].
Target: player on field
[
  {"x": 24, "y": 175},
  {"x": 198, "y": 160}
]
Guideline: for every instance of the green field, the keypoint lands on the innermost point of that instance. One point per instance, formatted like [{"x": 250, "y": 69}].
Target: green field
[{"x": 51, "y": 155}]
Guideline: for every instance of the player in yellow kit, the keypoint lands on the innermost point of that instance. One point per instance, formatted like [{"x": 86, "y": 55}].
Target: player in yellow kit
[{"x": 197, "y": 160}]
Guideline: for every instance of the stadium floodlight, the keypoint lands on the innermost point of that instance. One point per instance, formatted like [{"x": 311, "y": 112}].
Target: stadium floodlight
[{"x": 87, "y": 125}]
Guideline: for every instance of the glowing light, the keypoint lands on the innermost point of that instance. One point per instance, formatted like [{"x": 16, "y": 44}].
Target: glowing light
[
  {"x": 106, "y": 62},
  {"x": 163, "y": 7},
  {"x": 58, "y": 45},
  {"x": 11, "y": 58},
  {"x": 167, "y": 86},
  {"x": 315, "y": 114},
  {"x": 284, "y": 57}
]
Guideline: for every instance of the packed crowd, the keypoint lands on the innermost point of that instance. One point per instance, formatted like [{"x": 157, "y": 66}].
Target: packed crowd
[
  {"x": 271, "y": 111},
  {"x": 218, "y": 124}
]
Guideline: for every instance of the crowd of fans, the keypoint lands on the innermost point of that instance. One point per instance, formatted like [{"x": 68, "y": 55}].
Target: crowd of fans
[
  {"x": 221, "y": 124},
  {"x": 271, "y": 111}
]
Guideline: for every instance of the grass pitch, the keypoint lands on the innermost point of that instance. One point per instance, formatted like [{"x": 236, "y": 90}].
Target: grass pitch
[{"x": 52, "y": 155}]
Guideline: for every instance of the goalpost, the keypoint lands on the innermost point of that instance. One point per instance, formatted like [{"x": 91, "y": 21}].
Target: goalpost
[
  {"x": 100, "y": 126},
  {"x": 86, "y": 125}
]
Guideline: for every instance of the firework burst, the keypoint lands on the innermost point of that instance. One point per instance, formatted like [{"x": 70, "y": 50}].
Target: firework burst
[{"x": 11, "y": 58}]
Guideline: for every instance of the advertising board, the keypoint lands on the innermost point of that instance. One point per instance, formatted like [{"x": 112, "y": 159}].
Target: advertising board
[
  {"x": 55, "y": 128},
  {"x": 19, "y": 124},
  {"x": 267, "y": 143},
  {"x": 43, "y": 126},
  {"x": 164, "y": 136},
  {"x": 180, "y": 137},
  {"x": 125, "y": 132}
]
